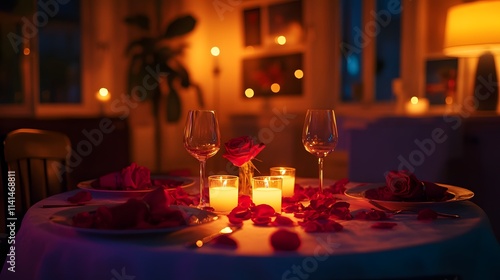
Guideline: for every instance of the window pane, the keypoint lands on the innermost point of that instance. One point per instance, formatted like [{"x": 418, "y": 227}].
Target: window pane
[
  {"x": 388, "y": 48},
  {"x": 59, "y": 47},
  {"x": 351, "y": 50},
  {"x": 11, "y": 56}
]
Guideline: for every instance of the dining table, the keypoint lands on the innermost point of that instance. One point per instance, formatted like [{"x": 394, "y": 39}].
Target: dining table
[{"x": 441, "y": 248}]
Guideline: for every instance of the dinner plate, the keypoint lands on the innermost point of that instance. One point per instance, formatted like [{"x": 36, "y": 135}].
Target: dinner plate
[
  {"x": 64, "y": 219},
  {"x": 456, "y": 194},
  {"x": 185, "y": 182}
]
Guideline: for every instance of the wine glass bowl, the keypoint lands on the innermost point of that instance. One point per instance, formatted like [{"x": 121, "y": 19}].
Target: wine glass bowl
[
  {"x": 320, "y": 136},
  {"x": 202, "y": 141}
]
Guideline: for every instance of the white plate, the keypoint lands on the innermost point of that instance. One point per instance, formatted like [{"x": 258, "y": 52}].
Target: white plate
[
  {"x": 186, "y": 182},
  {"x": 459, "y": 194},
  {"x": 64, "y": 219}
]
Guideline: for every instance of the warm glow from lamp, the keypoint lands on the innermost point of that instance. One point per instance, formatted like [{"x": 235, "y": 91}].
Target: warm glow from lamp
[
  {"x": 215, "y": 51},
  {"x": 103, "y": 95},
  {"x": 281, "y": 40},
  {"x": 26, "y": 51},
  {"x": 275, "y": 87},
  {"x": 472, "y": 28},
  {"x": 299, "y": 74},
  {"x": 249, "y": 93}
]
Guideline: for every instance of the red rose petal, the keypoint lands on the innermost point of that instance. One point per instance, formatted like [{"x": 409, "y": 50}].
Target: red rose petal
[
  {"x": 261, "y": 221},
  {"x": 426, "y": 214},
  {"x": 245, "y": 201},
  {"x": 157, "y": 199},
  {"x": 225, "y": 241},
  {"x": 83, "y": 220},
  {"x": 233, "y": 219},
  {"x": 312, "y": 226},
  {"x": 81, "y": 196},
  {"x": 263, "y": 210},
  {"x": 332, "y": 226},
  {"x": 283, "y": 221},
  {"x": 285, "y": 240},
  {"x": 383, "y": 225}
]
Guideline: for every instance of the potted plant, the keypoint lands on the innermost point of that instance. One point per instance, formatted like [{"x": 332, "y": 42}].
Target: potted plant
[{"x": 159, "y": 56}]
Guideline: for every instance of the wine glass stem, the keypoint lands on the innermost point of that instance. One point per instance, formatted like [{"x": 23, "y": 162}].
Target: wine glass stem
[
  {"x": 320, "y": 165},
  {"x": 202, "y": 184}
]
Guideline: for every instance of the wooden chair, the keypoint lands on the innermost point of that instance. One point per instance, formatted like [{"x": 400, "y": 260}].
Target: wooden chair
[{"x": 38, "y": 161}]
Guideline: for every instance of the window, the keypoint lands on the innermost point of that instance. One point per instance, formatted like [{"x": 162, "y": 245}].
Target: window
[
  {"x": 371, "y": 43},
  {"x": 59, "y": 47}
]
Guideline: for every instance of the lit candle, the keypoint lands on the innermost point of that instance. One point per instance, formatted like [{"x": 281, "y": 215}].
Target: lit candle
[
  {"x": 267, "y": 190},
  {"x": 417, "y": 106},
  {"x": 288, "y": 175},
  {"x": 223, "y": 192}
]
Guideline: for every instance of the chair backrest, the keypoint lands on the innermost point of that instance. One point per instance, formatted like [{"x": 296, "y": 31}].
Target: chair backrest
[{"x": 38, "y": 160}]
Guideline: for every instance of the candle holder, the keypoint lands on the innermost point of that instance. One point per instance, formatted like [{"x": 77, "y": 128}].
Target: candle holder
[
  {"x": 288, "y": 176},
  {"x": 267, "y": 190},
  {"x": 223, "y": 192}
]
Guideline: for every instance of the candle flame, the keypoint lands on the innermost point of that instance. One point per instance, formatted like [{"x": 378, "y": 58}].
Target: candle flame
[
  {"x": 414, "y": 100},
  {"x": 266, "y": 183},
  {"x": 224, "y": 184}
]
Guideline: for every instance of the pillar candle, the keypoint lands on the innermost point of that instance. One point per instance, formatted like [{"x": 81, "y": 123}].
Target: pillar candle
[
  {"x": 267, "y": 190},
  {"x": 288, "y": 175},
  {"x": 223, "y": 192}
]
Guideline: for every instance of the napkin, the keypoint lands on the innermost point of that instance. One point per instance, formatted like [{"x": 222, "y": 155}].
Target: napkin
[
  {"x": 404, "y": 186},
  {"x": 131, "y": 177},
  {"x": 285, "y": 240}
]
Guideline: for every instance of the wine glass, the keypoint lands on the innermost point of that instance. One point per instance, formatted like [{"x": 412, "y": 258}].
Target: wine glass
[
  {"x": 320, "y": 136},
  {"x": 202, "y": 141}
]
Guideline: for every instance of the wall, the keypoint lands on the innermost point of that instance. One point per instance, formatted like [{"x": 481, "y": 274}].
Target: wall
[{"x": 223, "y": 28}]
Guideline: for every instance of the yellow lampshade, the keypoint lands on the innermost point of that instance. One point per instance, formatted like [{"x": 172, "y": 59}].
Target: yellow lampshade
[{"x": 473, "y": 28}]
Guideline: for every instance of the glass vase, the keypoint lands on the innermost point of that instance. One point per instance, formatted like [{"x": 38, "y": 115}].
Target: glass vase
[{"x": 246, "y": 174}]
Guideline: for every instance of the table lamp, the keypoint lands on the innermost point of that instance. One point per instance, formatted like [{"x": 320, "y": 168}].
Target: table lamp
[{"x": 473, "y": 30}]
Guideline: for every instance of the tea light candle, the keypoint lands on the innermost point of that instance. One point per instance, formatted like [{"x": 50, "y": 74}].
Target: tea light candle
[
  {"x": 267, "y": 190},
  {"x": 417, "y": 106},
  {"x": 288, "y": 175},
  {"x": 223, "y": 192}
]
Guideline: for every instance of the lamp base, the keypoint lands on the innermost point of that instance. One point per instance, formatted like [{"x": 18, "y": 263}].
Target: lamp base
[{"x": 486, "y": 83}]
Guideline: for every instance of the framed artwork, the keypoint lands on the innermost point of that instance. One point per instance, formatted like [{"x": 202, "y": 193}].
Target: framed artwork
[
  {"x": 262, "y": 25},
  {"x": 440, "y": 80},
  {"x": 252, "y": 24},
  {"x": 278, "y": 75},
  {"x": 285, "y": 19}
]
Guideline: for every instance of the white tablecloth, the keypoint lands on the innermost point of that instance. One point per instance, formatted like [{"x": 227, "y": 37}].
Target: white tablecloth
[{"x": 465, "y": 247}]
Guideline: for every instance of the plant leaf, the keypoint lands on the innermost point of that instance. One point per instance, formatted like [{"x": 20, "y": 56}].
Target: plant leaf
[{"x": 180, "y": 26}]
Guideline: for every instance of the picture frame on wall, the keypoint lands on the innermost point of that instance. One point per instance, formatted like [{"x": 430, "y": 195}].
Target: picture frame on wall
[
  {"x": 441, "y": 80},
  {"x": 272, "y": 76},
  {"x": 285, "y": 19},
  {"x": 252, "y": 27}
]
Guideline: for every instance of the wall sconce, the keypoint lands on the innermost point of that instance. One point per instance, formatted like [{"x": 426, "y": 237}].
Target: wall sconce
[{"x": 472, "y": 30}]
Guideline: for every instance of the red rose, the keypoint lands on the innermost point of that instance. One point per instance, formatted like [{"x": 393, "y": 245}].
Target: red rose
[
  {"x": 136, "y": 177},
  {"x": 241, "y": 150},
  {"x": 404, "y": 185}
]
